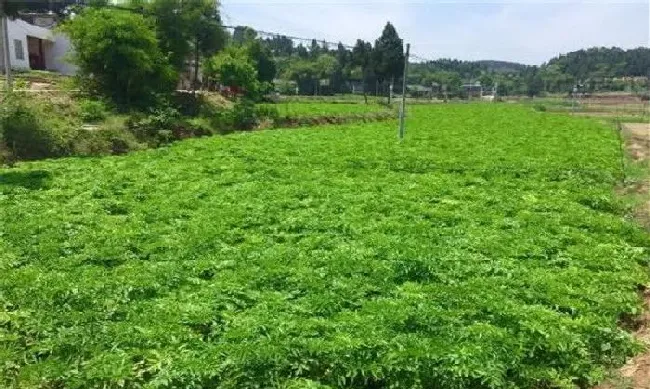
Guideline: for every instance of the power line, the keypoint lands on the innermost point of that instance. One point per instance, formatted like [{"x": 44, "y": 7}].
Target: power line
[{"x": 269, "y": 34}]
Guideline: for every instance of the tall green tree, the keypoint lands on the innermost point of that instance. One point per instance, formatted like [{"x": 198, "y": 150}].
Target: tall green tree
[
  {"x": 315, "y": 49},
  {"x": 262, "y": 58},
  {"x": 301, "y": 51},
  {"x": 187, "y": 29},
  {"x": 118, "y": 56},
  {"x": 243, "y": 34},
  {"x": 362, "y": 57},
  {"x": 205, "y": 31},
  {"x": 234, "y": 68},
  {"x": 388, "y": 56}
]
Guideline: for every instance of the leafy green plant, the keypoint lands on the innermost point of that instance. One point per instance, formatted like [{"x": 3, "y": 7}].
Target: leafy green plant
[
  {"x": 92, "y": 111},
  {"x": 157, "y": 127},
  {"x": 111, "y": 137},
  {"x": 30, "y": 134},
  {"x": 244, "y": 114},
  {"x": 118, "y": 56},
  {"x": 486, "y": 250}
]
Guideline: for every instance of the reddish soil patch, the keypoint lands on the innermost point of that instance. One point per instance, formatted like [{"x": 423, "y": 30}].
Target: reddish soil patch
[{"x": 637, "y": 370}]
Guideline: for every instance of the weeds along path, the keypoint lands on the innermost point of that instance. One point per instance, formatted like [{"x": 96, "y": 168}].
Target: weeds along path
[
  {"x": 486, "y": 250},
  {"x": 637, "y": 138}
]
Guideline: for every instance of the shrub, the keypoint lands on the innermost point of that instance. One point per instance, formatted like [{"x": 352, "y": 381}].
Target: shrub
[
  {"x": 244, "y": 115},
  {"x": 157, "y": 127},
  {"x": 92, "y": 111},
  {"x": 29, "y": 134},
  {"x": 111, "y": 138},
  {"x": 539, "y": 107},
  {"x": 199, "y": 126}
]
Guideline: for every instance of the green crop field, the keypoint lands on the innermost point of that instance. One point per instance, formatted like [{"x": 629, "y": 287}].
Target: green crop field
[
  {"x": 315, "y": 109},
  {"x": 487, "y": 250}
]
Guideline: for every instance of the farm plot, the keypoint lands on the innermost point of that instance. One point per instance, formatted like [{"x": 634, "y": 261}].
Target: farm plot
[
  {"x": 485, "y": 251},
  {"x": 322, "y": 109}
]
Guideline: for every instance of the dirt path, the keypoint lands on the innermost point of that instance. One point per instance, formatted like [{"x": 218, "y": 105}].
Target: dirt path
[
  {"x": 636, "y": 372},
  {"x": 638, "y": 140},
  {"x": 637, "y": 144}
]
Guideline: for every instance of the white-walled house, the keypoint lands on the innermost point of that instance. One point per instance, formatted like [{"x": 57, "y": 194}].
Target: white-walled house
[{"x": 37, "y": 48}]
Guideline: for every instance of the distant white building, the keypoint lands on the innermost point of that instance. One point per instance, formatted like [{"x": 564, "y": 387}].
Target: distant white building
[{"x": 37, "y": 48}]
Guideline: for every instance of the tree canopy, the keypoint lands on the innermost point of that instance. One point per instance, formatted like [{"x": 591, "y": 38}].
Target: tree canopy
[{"x": 118, "y": 55}]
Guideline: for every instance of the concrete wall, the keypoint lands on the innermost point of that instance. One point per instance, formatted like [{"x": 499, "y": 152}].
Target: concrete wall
[
  {"x": 57, "y": 55},
  {"x": 16, "y": 33},
  {"x": 56, "y": 48}
]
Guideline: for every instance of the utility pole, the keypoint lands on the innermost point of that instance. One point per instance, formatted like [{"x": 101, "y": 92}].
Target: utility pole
[
  {"x": 4, "y": 21},
  {"x": 402, "y": 109}
]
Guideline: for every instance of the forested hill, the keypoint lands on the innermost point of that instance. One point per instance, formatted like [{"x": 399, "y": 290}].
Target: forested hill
[
  {"x": 599, "y": 62},
  {"x": 501, "y": 66}
]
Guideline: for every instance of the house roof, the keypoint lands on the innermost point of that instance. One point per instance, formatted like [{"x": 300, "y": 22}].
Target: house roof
[{"x": 31, "y": 30}]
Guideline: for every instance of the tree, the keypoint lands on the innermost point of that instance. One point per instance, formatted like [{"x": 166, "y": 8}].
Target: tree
[
  {"x": 235, "y": 69},
  {"x": 187, "y": 27},
  {"x": 171, "y": 30},
  {"x": 315, "y": 49},
  {"x": 118, "y": 56},
  {"x": 262, "y": 58},
  {"x": 205, "y": 30},
  {"x": 362, "y": 57},
  {"x": 389, "y": 56},
  {"x": 324, "y": 66},
  {"x": 243, "y": 34},
  {"x": 303, "y": 72}
]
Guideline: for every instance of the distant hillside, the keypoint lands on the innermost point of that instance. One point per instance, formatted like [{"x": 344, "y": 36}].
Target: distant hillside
[
  {"x": 603, "y": 62},
  {"x": 501, "y": 66}
]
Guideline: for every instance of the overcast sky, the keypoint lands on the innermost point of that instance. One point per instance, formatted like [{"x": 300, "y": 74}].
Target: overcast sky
[{"x": 526, "y": 31}]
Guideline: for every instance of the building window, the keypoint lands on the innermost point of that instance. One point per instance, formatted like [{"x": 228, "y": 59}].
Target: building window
[{"x": 20, "y": 50}]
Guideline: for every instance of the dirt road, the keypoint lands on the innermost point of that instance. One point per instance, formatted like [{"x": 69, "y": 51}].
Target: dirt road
[{"x": 636, "y": 373}]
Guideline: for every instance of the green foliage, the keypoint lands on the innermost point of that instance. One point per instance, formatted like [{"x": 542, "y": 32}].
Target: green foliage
[
  {"x": 484, "y": 251},
  {"x": 29, "y": 133},
  {"x": 304, "y": 109},
  {"x": 598, "y": 62},
  {"x": 92, "y": 111},
  {"x": 244, "y": 114},
  {"x": 157, "y": 127},
  {"x": 262, "y": 59},
  {"x": 118, "y": 56},
  {"x": 186, "y": 27},
  {"x": 233, "y": 68},
  {"x": 111, "y": 137},
  {"x": 388, "y": 55}
]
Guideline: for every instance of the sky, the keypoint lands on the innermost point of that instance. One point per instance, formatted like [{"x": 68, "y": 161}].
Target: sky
[{"x": 525, "y": 31}]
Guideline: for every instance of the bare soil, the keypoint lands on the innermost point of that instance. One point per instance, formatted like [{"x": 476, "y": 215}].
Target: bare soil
[
  {"x": 638, "y": 140},
  {"x": 636, "y": 372}
]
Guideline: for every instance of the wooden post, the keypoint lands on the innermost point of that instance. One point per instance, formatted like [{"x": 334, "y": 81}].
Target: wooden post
[{"x": 402, "y": 109}]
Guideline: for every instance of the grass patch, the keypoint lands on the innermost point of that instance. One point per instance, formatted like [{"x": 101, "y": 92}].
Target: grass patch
[
  {"x": 487, "y": 250},
  {"x": 324, "y": 109}
]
